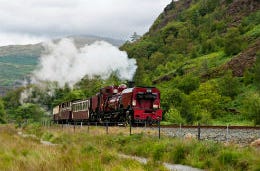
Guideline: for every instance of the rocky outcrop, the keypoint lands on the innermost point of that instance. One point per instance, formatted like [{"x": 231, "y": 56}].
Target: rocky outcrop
[{"x": 242, "y": 61}]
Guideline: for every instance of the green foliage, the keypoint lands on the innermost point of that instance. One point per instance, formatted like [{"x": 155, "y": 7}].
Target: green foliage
[
  {"x": 179, "y": 153},
  {"x": 202, "y": 116},
  {"x": 233, "y": 42},
  {"x": 229, "y": 85},
  {"x": 251, "y": 22},
  {"x": 252, "y": 106},
  {"x": 2, "y": 112},
  {"x": 228, "y": 158},
  {"x": 11, "y": 103},
  {"x": 206, "y": 6},
  {"x": 171, "y": 97},
  {"x": 254, "y": 32},
  {"x": 257, "y": 71},
  {"x": 187, "y": 83},
  {"x": 208, "y": 99},
  {"x": 173, "y": 115},
  {"x": 29, "y": 112}
]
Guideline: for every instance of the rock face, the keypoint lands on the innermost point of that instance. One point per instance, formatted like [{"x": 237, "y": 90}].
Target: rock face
[
  {"x": 243, "y": 61},
  {"x": 239, "y": 8}
]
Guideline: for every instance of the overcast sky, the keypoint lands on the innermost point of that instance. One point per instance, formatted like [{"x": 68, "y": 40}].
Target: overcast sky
[{"x": 31, "y": 21}]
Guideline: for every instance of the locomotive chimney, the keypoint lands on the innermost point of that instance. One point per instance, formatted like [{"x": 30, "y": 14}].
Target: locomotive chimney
[{"x": 130, "y": 84}]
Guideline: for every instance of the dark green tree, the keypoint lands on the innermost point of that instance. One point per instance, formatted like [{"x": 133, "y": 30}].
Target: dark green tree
[
  {"x": 135, "y": 37},
  {"x": 252, "y": 107},
  {"x": 2, "y": 112},
  {"x": 257, "y": 71},
  {"x": 187, "y": 83},
  {"x": 29, "y": 111},
  {"x": 233, "y": 42},
  {"x": 229, "y": 85}
]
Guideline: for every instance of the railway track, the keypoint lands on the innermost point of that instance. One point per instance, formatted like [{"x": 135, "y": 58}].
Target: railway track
[
  {"x": 208, "y": 127},
  {"x": 233, "y": 134}
]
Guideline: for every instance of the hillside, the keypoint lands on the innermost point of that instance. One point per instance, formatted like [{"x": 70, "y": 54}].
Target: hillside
[
  {"x": 17, "y": 61},
  {"x": 204, "y": 55}
]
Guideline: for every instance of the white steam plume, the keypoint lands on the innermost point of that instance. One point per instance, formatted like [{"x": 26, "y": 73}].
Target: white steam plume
[{"x": 64, "y": 63}]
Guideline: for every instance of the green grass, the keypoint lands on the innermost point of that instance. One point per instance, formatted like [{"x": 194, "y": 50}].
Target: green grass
[
  {"x": 95, "y": 150},
  {"x": 232, "y": 120},
  {"x": 75, "y": 151}
]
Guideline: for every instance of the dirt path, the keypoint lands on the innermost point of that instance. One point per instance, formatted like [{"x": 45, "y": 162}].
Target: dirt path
[{"x": 171, "y": 167}]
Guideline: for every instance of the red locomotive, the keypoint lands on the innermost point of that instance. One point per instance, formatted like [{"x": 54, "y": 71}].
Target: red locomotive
[
  {"x": 113, "y": 104},
  {"x": 142, "y": 104}
]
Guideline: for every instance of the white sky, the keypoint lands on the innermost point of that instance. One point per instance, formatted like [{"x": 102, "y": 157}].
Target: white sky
[{"x": 32, "y": 21}]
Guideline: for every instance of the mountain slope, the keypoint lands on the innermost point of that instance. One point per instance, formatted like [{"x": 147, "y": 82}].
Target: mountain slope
[{"x": 202, "y": 54}]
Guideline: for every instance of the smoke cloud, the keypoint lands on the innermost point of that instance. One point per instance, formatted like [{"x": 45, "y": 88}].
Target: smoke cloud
[{"x": 64, "y": 63}]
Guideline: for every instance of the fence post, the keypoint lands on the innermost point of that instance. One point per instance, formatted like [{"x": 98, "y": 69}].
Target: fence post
[
  {"x": 180, "y": 129},
  {"x": 130, "y": 128},
  {"x": 198, "y": 131},
  {"x": 227, "y": 133},
  {"x": 159, "y": 129},
  {"x": 107, "y": 127},
  {"x": 81, "y": 124},
  {"x": 74, "y": 127},
  {"x": 88, "y": 126}
]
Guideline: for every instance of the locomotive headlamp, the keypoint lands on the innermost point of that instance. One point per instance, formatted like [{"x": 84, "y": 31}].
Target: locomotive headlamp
[
  {"x": 115, "y": 91},
  {"x": 134, "y": 103},
  {"x": 155, "y": 106},
  {"x": 148, "y": 90}
]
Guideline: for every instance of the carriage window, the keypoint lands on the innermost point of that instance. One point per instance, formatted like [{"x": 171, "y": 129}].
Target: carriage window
[{"x": 84, "y": 106}]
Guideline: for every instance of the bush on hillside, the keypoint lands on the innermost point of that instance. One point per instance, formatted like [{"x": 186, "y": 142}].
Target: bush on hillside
[
  {"x": 233, "y": 42},
  {"x": 252, "y": 106},
  {"x": 29, "y": 112},
  {"x": 174, "y": 116},
  {"x": 2, "y": 112}
]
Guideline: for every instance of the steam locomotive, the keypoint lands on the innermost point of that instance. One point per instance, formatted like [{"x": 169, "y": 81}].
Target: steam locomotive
[{"x": 113, "y": 104}]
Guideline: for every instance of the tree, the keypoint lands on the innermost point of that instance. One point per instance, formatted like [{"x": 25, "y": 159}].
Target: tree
[
  {"x": 232, "y": 43},
  {"x": 2, "y": 112},
  {"x": 174, "y": 116},
  {"x": 257, "y": 71},
  {"x": 229, "y": 85},
  {"x": 187, "y": 83},
  {"x": 252, "y": 107},
  {"x": 29, "y": 111},
  {"x": 135, "y": 37},
  {"x": 208, "y": 99}
]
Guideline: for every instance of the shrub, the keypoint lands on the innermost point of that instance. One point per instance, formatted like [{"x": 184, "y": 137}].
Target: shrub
[
  {"x": 228, "y": 158},
  {"x": 229, "y": 85},
  {"x": 257, "y": 71},
  {"x": 232, "y": 43},
  {"x": 252, "y": 106},
  {"x": 187, "y": 83},
  {"x": 174, "y": 116},
  {"x": 2, "y": 112}
]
